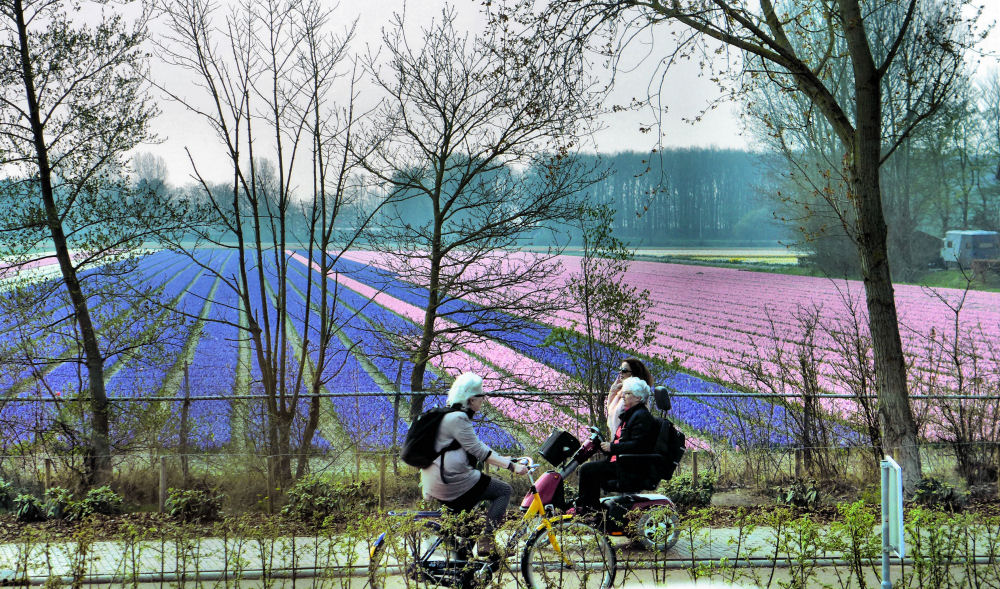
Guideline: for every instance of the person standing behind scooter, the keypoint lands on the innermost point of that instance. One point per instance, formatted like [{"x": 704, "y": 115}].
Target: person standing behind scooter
[
  {"x": 615, "y": 403},
  {"x": 635, "y": 434}
]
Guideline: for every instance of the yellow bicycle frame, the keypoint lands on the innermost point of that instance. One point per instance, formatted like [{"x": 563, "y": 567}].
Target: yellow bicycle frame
[{"x": 537, "y": 509}]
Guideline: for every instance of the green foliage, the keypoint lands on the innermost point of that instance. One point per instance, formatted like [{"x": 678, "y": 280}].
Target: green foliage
[
  {"x": 27, "y": 508},
  {"x": 193, "y": 505},
  {"x": 98, "y": 501},
  {"x": 934, "y": 492},
  {"x": 314, "y": 498},
  {"x": 6, "y": 496},
  {"x": 58, "y": 501},
  {"x": 800, "y": 542},
  {"x": 688, "y": 495},
  {"x": 856, "y": 536},
  {"x": 800, "y": 494}
]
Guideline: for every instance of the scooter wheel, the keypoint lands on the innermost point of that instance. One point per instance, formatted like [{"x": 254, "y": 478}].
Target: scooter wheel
[{"x": 659, "y": 528}]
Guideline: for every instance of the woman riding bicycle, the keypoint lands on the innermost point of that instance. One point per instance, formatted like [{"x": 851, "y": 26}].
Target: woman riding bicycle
[{"x": 453, "y": 478}]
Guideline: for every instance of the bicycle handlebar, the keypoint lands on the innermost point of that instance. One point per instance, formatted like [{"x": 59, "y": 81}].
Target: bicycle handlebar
[{"x": 526, "y": 461}]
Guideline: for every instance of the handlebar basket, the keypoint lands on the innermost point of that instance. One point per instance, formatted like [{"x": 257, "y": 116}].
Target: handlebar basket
[{"x": 559, "y": 446}]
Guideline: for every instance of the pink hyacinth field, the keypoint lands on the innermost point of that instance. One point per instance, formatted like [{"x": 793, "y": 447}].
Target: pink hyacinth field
[{"x": 718, "y": 321}]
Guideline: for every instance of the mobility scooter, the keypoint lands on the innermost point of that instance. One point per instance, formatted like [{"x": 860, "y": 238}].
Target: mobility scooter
[{"x": 650, "y": 517}]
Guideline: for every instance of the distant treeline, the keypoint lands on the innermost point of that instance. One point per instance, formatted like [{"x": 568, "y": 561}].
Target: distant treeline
[
  {"x": 675, "y": 197},
  {"x": 670, "y": 198},
  {"x": 689, "y": 196}
]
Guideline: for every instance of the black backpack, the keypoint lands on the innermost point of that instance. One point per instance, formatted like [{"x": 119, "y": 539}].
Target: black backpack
[
  {"x": 670, "y": 444},
  {"x": 418, "y": 447},
  {"x": 671, "y": 441}
]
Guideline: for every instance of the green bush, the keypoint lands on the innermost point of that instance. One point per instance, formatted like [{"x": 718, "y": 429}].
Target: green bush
[
  {"x": 934, "y": 492},
  {"x": 102, "y": 501},
  {"x": 313, "y": 499},
  {"x": 686, "y": 494},
  {"x": 27, "y": 508},
  {"x": 800, "y": 494},
  {"x": 6, "y": 496},
  {"x": 58, "y": 501},
  {"x": 193, "y": 505}
]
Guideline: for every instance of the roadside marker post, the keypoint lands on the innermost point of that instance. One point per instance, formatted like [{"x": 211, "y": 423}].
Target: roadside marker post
[{"x": 892, "y": 516}]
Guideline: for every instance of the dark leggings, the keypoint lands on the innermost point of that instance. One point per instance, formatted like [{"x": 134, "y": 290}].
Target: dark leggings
[{"x": 487, "y": 489}]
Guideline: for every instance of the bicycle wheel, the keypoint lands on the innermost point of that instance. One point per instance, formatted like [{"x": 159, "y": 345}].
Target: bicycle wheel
[
  {"x": 659, "y": 528},
  {"x": 424, "y": 555},
  {"x": 571, "y": 554}
]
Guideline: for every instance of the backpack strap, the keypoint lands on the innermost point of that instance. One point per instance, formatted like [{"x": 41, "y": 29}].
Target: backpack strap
[{"x": 454, "y": 445}]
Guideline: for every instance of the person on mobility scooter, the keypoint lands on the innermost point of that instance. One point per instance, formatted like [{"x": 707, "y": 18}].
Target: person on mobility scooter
[
  {"x": 635, "y": 435},
  {"x": 651, "y": 517}
]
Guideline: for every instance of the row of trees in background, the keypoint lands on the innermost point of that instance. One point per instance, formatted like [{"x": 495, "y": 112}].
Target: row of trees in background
[
  {"x": 668, "y": 198},
  {"x": 691, "y": 196},
  {"x": 942, "y": 174}
]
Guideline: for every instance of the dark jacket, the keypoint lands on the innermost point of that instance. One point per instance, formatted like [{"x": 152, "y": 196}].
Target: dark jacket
[{"x": 639, "y": 431}]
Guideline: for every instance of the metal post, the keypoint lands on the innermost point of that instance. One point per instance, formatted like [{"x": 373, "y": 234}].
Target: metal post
[
  {"x": 185, "y": 429},
  {"x": 798, "y": 463},
  {"x": 381, "y": 480},
  {"x": 48, "y": 473},
  {"x": 163, "y": 483},
  {"x": 694, "y": 468},
  {"x": 886, "y": 582}
]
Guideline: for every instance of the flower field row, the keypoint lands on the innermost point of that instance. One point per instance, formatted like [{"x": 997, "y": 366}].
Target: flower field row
[{"x": 718, "y": 321}]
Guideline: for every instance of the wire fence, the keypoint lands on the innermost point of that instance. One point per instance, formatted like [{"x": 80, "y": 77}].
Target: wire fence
[
  {"x": 258, "y": 480},
  {"x": 534, "y": 395}
]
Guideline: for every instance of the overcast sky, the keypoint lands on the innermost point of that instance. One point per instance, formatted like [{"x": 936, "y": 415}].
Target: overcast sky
[{"x": 685, "y": 93}]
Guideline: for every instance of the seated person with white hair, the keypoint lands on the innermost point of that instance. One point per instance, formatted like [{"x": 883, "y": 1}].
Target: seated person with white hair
[
  {"x": 453, "y": 478},
  {"x": 636, "y": 434}
]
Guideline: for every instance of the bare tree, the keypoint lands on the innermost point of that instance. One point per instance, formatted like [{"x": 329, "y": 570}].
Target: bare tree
[
  {"x": 150, "y": 168},
  {"x": 474, "y": 153},
  {"x": 73, "y": 104},
  {"x": 268, "y": 71},
  {"x": 613, "y": 312},
  {"x": 961, "y": 363},
  {"x": 775, "y": 43}
]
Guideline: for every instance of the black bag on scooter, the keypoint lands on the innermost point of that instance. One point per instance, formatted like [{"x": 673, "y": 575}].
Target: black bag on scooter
[{"x": 559, "y": 446}]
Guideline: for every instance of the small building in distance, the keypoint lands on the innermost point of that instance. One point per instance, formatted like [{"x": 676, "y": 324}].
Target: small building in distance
[{"x": 962, "y": 247}]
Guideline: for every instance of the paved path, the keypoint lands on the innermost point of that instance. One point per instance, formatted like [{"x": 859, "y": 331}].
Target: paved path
[{"x": 211, "y": 558}]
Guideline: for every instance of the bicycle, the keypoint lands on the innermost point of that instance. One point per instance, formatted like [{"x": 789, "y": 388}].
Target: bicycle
[{"x": 561, "y": 551}]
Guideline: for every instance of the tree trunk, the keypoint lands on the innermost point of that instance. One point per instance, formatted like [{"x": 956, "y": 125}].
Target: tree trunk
[
  {"x": 99, "y": 453},
  {"x": 283, "y": 469},
  {"x": 864, "y": 167},
  {"x": 312, "y": 424},
  {"x": 422, "y": 355},
  {"x": 899, "y": 429}
]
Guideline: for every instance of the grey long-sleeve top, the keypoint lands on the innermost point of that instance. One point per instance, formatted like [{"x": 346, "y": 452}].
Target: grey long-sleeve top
[{"x": 460, "y": 475}]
